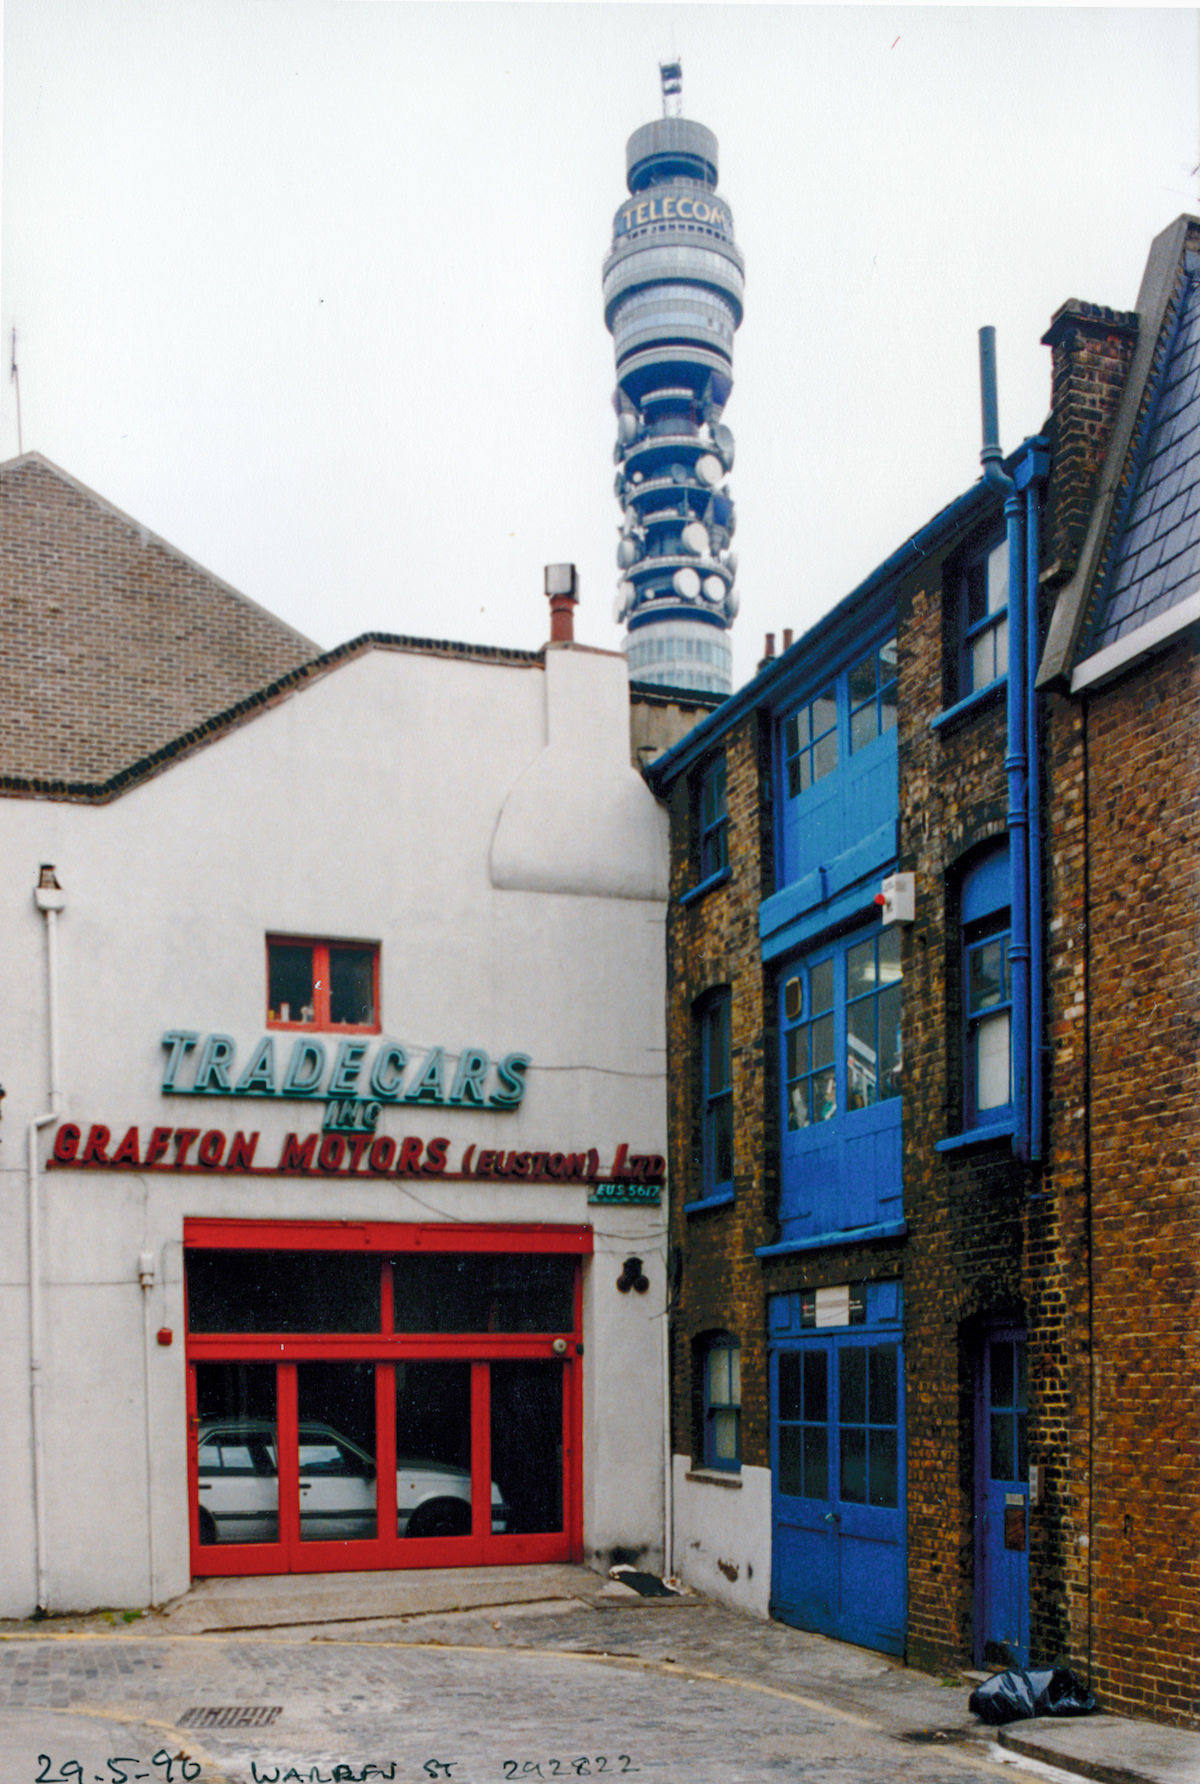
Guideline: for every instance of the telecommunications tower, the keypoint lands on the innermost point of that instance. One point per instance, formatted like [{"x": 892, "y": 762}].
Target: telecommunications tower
[{"x": 673, "y": 282}]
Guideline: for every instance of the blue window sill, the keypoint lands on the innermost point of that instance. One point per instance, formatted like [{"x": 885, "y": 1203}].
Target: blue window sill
[
  {"x": 720, "y": 1198},
  {"x": 698, "y": 891},
  {"x": 884, "y": 1229},
  {"x": 963, "y": 709},
  {"x": 978, "y": 1136}
]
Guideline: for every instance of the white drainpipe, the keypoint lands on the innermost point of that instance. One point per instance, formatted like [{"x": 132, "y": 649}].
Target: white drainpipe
[
  {"x": 146, "y": 1281},
  {"x": 50, "y": 900}
]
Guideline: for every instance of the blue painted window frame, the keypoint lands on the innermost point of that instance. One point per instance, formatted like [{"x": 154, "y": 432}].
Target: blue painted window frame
[
  {"x": 811, "y": 742},
  {"x": 871, "y": 695},
  {"x": 817, "y": 1029},
  {"x": 712, "y": 819},
  {"x": 983, "y": 618},
  {"x": 986, "y": 979},
  {"x": 715, "y": 1022},
  {"x": 723, "y": 1403}
]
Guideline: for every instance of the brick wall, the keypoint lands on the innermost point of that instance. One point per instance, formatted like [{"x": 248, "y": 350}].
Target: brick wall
[
  {"x": 965, "y": 1254},
  {"x": 714, "y": 942},
  {"x": 111, "y": 643},
  {"x": 1095, "y": 1252},
  {"x": 1144, "y": 1130}
]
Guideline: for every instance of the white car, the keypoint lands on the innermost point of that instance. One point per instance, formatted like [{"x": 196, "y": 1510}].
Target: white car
[{"x": 239, "y": 1487}]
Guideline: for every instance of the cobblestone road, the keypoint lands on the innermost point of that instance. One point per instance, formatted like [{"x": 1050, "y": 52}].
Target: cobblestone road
[{"x": 89, "y": 1710}]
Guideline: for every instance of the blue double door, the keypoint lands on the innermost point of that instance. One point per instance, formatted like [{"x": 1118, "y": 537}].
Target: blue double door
[{"x": 837, "y": 1429}]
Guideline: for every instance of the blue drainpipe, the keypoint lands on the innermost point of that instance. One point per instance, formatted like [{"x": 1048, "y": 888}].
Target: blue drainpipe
[
  {"x": 1022, "y": 755},
  {"x": 1031, "y": 469}
]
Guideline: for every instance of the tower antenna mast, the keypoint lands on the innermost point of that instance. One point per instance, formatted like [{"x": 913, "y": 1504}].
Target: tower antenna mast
[{"x": 671, "y": 74}]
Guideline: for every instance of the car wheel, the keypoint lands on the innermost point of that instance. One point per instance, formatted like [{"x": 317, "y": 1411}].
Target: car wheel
[
  {"x": 208, "y": 1529},
  {"x": 441, "y": 1517}
]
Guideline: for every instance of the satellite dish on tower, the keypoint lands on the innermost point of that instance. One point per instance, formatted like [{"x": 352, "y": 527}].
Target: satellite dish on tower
[
  {"x": 714, "y": 588},
  {"x": 686, "y": 583},
  {"x": 723, "y": 441},
  {"x": 709, "y": 469},
  {"x": 695, "y": 536}
]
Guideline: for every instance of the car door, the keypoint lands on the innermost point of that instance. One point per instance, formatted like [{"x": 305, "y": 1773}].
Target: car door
[
  {"x": 238, "y": 1486},
  {"x": 337, "y": 1489}
]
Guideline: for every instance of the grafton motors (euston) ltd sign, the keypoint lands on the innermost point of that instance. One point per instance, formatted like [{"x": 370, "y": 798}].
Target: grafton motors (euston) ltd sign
[{"x": 96, "y": 1147}]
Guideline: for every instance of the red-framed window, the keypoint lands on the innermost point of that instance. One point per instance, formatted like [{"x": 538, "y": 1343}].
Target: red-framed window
[{"x": 316, "y": 983}]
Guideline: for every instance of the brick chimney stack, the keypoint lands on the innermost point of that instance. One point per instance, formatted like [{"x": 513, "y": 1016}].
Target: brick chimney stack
[{"x": 1092, "y": 348}]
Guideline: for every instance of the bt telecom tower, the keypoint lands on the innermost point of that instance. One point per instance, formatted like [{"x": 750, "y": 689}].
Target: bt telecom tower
[{"x": 673, "y": 282}]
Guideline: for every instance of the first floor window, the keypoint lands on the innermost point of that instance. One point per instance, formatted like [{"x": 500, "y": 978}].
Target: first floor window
[
  {"x": 322, "y": 984},
  {"x": 987, "y": 987},
  {"x": 841, "y": 1014},
  {"x": 722, "y": 1402},
  {"x": 716, "y": 1084}
]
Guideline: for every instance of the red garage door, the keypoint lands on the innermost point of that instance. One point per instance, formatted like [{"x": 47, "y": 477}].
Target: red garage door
[{"x": 379, "y": 1396}]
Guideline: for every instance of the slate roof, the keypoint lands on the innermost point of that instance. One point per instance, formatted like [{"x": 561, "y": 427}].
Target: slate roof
[{"x": 1154, "y": 562}]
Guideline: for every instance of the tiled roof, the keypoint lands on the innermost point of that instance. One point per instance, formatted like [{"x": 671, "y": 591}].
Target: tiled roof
[
  {"x": 1155, "y": 561},
  {"x": 112, "y": 642}
]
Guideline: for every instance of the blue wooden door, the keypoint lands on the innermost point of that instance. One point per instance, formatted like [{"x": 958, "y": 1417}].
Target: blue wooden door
[
  {"x": 1002, "y": 1502},
  {"x": 838, "y": 1465}
]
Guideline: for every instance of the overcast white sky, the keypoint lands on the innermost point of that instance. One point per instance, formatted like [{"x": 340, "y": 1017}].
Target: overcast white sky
[{"x": 312, "y": 288}]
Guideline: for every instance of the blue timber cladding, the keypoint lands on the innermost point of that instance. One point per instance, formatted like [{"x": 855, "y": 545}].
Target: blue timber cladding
[
  {"x": 1155, "y": 562},
  {"x": 835, "y": 797}
]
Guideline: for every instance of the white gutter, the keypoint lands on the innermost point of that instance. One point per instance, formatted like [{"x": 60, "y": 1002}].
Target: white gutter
[{"x": 50, "y": 900}]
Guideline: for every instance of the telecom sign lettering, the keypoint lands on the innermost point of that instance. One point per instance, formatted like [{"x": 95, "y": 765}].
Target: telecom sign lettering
[{"x": 671, "y": 207}]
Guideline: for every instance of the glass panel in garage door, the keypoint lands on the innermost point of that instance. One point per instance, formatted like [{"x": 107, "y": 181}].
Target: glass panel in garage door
[
  {"x": 433, "y": 1448},
  {"x": 527, "y": 1442},
  {"x": 238, "y": 1483},
  {"x": 336, "y": 1451}
]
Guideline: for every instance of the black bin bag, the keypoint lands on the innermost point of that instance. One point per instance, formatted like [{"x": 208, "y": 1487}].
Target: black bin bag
[
  {"x": 1005, "y": 1697},
  {"x": 1057, "y": 1692},
  {"x": 1046, "y": 1691}
]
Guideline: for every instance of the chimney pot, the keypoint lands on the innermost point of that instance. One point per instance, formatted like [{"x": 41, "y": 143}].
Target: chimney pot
[
  {"x": 788, "y": 635},
  {"x": 769, "y": 646},
  {"x": 562, "y": 589}
]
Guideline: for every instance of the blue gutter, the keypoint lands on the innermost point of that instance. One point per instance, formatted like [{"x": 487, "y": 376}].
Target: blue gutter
[{"x": 1021, "y": 760}]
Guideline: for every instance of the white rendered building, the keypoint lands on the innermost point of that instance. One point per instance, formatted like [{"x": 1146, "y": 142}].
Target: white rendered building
[{"x": 331, "y": 1164}]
